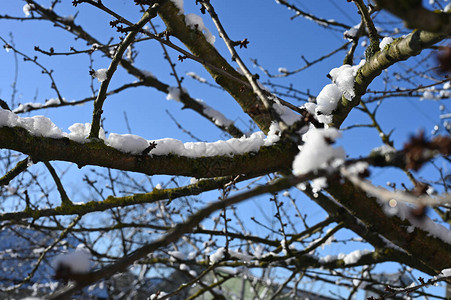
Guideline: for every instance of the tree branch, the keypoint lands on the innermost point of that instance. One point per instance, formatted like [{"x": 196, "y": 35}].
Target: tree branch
[
  {"x": 267, "y": 159},
  {"x": 400, "y": 49},
  {"x": 418, "y": 17}
]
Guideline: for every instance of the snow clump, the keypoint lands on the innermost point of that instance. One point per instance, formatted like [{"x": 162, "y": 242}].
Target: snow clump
[
  {"x": 354, "y": 256},
  {"x": 344, "y": 77},
  {"x": 101, "y": 75},
  {"x": 128, "y": 143},
  {"x": 158, "y": 295},
  {"x": 174, "y": 93},
  {"x": 79, "y": 132},
  {"x": 216, "y": 116},
  {"x": 217, "y": 256},
  {"x": 27, "y": 8},
  {"x": 179, "y": 5},
  {"x": 317, "y": 151},
  {"x": 197, "y": 77},
  {"x": 283, "y": 70},
  {"x": 39, "y": 125},
  {"x": 351, "y": 33},
  {"x": 327, "y": 100},
  {"x": 195, "y": 22},
  {"x": 385, "y": 41},
  {"x": 78, "y": 262}
]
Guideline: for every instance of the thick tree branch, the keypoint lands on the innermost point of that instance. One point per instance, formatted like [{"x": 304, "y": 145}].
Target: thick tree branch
[
  {"x": 424, "y": 247},
  {"x": 339, "y": 212},
  {"x": 400, "y": 49},
  {"x": 96, "y": 153},
  {"x": 418, "y": 17}
]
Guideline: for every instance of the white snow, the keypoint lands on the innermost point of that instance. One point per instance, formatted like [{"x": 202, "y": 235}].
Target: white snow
[
  {"x": 69, "y": 18},
  {"x": 343, "y": 77},
  {"x": 273, "y": 134},
  {"x": 35, "y": 105},
  {"x": 192, "y": 255},
  {"x": 179, "y": 5},
  {"x": 403, "y": 211},
  {"x": 26, "y": 106},
  {"x": 446, "y": 272},
  {"x": 357, "y": 168},
  {"x": 128, "y": 143},
  {"x": 241, "y": 256},
  {"x": 354, "y": 256},
  {"x": 222, "y": 147},
  {"x": 383, "y": 150},
  {"x": 317, "y": 152},
  {"x": 329, "y": 97},
  {"x": 215, "y": 115},
  {"x": 197, "y": 77},
  {"x": 177, "y": 255},
  {"x": 350, "y": 258},
  {"x": 318, "y": 184},
  {"x": 158, "y": 295},
  {"x": 79, "y": 132},
  {"x": 287, "y": 115},
  {"x": 27, "y": 8},
  {"x": 195, "y": 22},
  {"x": 282, "y": 70},
  {"x": 148, "y": 73},
  {"x": 101, "y": 75},
  {"x": 327, "y": 100},
  {"x": 445, "y": 94},
  {"x": 351, "y": 33},
  {"x": 78, "y": 261},
  {"x": 217, "y": 256},
  {"x": 95, "y": 46},
  {"x": 385, "y": 41},
  {"x": 52, "y": 101},
  {"x": 12, "y": 190},
  {"x": 39, "y": 125},
  {"x": 427, "y": 95},
  {"x": 173, "y": 94},
  {"x": 328, "y": 258}
]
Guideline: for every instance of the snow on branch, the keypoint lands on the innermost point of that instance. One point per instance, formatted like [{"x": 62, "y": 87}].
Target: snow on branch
[{"x": 129, "y": 143}]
